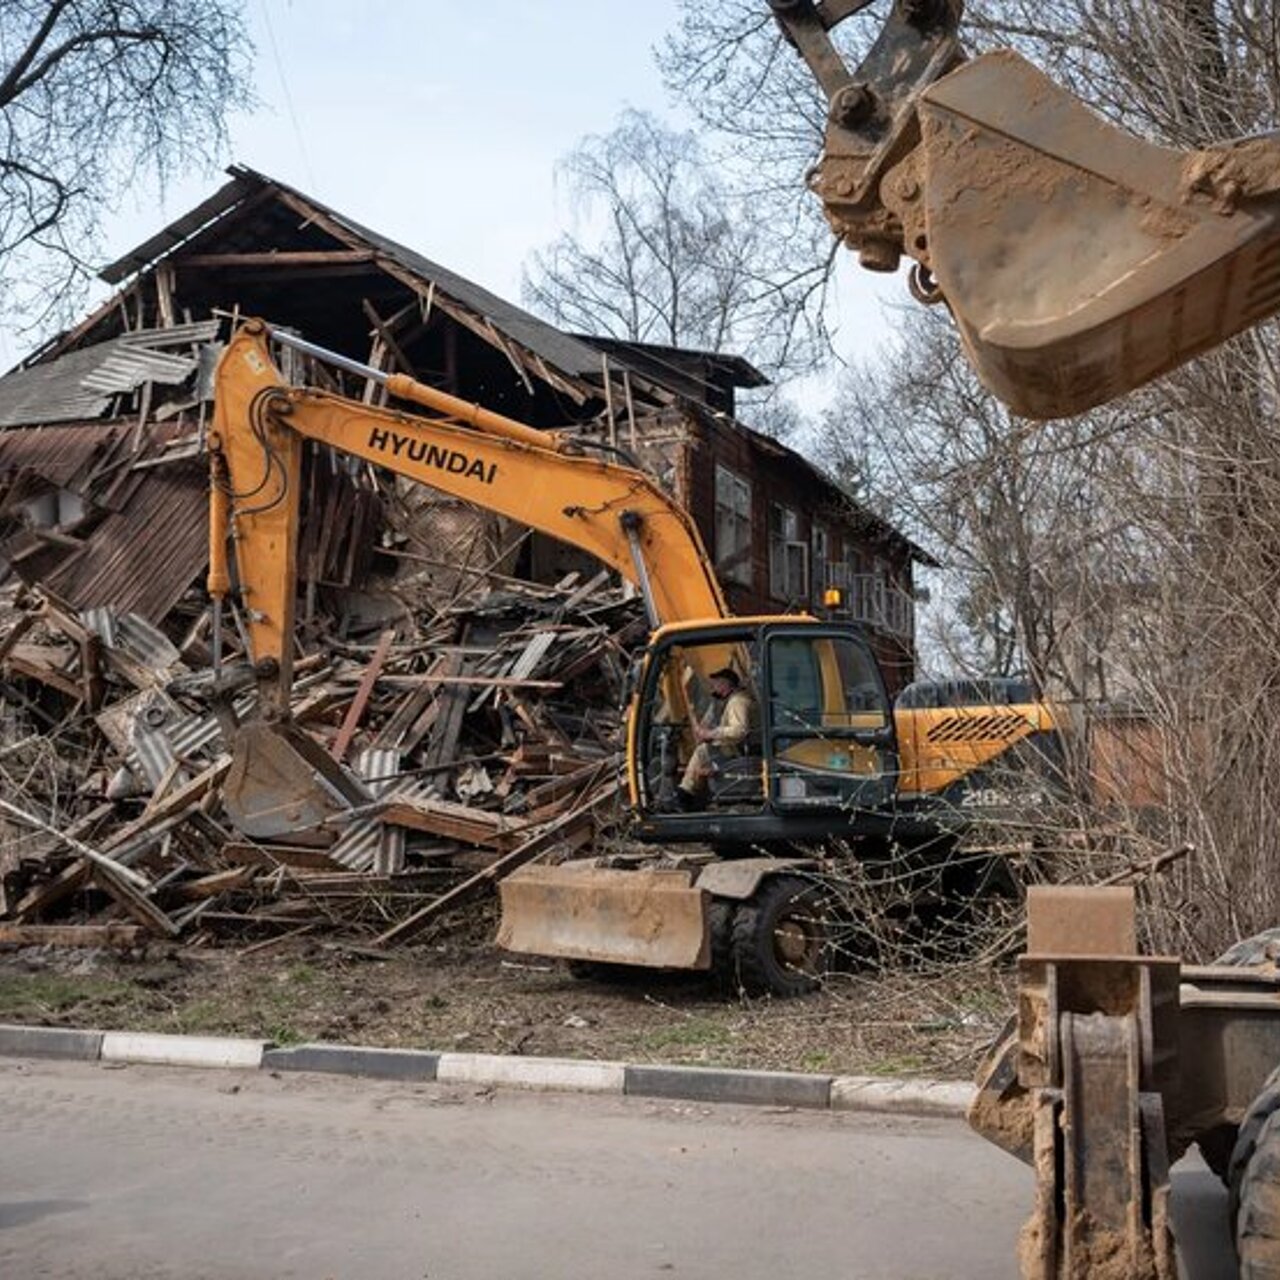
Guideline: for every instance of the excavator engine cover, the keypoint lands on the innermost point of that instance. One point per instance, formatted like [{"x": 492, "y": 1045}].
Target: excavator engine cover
[
  {"x": 282, "y": 785},
  {"x": 582, "y": 911},
  {"x": 1080, "y": 262}
]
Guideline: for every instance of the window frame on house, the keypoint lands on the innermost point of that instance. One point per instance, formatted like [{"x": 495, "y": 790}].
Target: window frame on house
[
  {"x": 733, "y": 502},
  {"x": 789, "y": 574},
  {"x": 819, "y": 561}
]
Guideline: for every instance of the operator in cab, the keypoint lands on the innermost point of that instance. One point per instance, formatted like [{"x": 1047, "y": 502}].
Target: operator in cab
[{"x": 721, "y": 733}]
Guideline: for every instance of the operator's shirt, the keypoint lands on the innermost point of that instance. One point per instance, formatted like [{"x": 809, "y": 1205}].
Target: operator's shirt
[{"x": 731, "y": 723}]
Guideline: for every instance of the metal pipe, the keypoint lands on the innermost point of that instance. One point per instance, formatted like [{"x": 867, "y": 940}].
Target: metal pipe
[
  {"x": 631, "y": 526},
  {"x": 407, "y": 388},
  {"x": 329, "y": 357}
]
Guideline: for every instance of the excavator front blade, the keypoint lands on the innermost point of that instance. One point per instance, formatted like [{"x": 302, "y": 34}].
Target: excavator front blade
[
  {"x": 1080, "y": 262},
  {"x": 581, "y": 911},
  {"x": 283, "y": 785}
]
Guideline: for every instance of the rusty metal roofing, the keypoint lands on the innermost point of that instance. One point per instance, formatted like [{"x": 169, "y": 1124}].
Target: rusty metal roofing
[
  {"x": 83, "y": 383},
  {"x": 65, "y": 455},
  {"x": 143, "y": 559}
]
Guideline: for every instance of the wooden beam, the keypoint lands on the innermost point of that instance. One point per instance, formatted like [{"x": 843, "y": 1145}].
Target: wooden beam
[
  {"x": 67, "y": 881},
  {"x": 283, "y": 258},
  {"x": 137, "y": 904},
  {"x": 363, "y": 692},
  {"x": 570, "y": 831},
  {"x": 72, "y": 935},
  {"x": 277, "y": 855},
  {"x": 448, "y": 820},
  {"x": 383, "y": 328},
  {"x": 183, "y": 798}
]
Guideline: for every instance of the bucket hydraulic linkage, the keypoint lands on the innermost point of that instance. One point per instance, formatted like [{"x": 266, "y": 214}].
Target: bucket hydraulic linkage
[{"x": 1078, "y": 262}]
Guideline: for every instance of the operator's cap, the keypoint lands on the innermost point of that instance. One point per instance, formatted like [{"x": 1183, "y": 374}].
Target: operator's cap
[{"x": 726, "y": 673}]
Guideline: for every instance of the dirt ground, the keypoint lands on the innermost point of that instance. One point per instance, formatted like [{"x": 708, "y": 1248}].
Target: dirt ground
[{"x": 463, "y": 994}]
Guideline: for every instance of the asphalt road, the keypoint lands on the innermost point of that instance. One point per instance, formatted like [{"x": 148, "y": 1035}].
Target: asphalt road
[{"x": 150, "y": 1173}]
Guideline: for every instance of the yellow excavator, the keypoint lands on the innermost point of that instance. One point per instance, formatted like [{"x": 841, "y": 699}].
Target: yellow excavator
[{"x": 826, "y": 754}]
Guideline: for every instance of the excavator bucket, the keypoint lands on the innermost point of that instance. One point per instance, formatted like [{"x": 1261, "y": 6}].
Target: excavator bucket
[
  {"x": 582, "y": 911},
  {"x": 282, "y": 785},
  {"x": 1080, "y": 262}
]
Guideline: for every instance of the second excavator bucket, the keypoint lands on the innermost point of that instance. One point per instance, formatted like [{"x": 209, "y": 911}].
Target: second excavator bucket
[
  {"x": 583, "y": 911},
  {"x": 1081, "y": 262},
  {"x": 282, "y": 785}
]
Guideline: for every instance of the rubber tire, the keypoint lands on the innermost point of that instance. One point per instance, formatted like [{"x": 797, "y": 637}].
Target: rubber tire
[
  {"x": 1257, "y": 1221},
  {"x": 754, "y": 958},
  {"x": 724, "y": 972},
  {"x": 1260, "y": 1111},
  {"x": 1250, "y": 950},
  {"x": 1227, "y": 1154}
]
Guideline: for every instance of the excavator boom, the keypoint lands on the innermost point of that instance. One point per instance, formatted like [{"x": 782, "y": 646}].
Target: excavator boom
[
  {"x": 1078, "y": 262},
  {"x": 280, "y": 781}
]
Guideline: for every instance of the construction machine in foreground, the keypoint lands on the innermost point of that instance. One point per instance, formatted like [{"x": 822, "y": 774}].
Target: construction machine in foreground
[
  {"x": 1078, "y": 263},
  {"x": 1113, "y": 1066},
  {"x": 827, "y": 757}
]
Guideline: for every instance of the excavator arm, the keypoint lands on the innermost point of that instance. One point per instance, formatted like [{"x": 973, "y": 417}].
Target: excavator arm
[
  {"x": 280, "y": 781},
  {"x": 1077, "y": 261},
  {"x": 540, "y": 479}
]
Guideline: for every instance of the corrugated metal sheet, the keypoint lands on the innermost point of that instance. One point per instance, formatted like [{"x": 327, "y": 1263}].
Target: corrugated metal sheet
[
  {"x": 368, "y": 844},
  {"x": 136, "y": 637},
  {"x": 65, "y": 455},
  {"x": 143, "y": 559},
  {"x": 82, "y": 383}
]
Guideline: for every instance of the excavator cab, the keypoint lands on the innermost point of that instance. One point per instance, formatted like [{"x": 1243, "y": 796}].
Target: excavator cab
[{"x": 819, "y": 738}]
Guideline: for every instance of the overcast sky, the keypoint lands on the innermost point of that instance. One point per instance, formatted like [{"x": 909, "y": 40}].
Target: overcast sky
[{"x": 437, "y": 123}]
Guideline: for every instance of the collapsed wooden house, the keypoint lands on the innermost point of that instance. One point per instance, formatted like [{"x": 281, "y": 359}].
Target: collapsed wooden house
[{"x": 103, "y": 525}]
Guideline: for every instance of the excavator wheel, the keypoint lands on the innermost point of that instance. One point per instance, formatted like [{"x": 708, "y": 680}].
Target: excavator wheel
[
  {"x": 1261, "y": 1109},
  {"x": 1258, "y": 949},
  {"x": 723, "y": 913},
  {"x": 1257, "y": 1216},
  {"x": 780, "y": 940}
]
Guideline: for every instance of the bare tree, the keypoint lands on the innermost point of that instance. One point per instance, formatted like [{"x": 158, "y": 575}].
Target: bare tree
[
  {"x": 95, "y": 96},
  {"x": 670, "y": 254}
]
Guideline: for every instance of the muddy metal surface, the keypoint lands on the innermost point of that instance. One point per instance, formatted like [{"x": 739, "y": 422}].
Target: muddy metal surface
[{"x": 151, "y": 1173}]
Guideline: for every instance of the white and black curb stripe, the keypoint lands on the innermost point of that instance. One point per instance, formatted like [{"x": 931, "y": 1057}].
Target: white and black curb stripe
[
  {"x": 182, "y": 1051},
  {"x": 351, "y": 1060},
  {"x": 50, "y": 1042},
  {"x": 709, "y": 1084},
  {"x": 572, "y": 1075}
]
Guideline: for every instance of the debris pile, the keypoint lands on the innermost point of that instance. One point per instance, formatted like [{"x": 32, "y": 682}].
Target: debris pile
[{"x": 483, "y": 732}]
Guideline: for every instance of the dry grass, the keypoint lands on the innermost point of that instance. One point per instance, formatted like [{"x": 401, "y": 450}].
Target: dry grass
[{"x": 471, "y": 998}]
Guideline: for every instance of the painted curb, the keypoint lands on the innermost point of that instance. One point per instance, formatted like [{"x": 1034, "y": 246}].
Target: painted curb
[
  {"x": 182, "y": 1051},
  {"x": 940, "y": 1098},
  {"x": 353, "y": 1060},
  {"x": 575, "y": 1075},
  {"x": 50, "y": 1042},
  {"x": 709, "y": 1084},
  {"x": 903, "y": 1097}
]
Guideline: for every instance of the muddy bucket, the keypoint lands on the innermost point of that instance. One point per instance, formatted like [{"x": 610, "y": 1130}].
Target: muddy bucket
[
  {"x": 580, "y": 911},
  {"x": 1080, "y": 262},
  {"x": 282, "y": 785}
]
